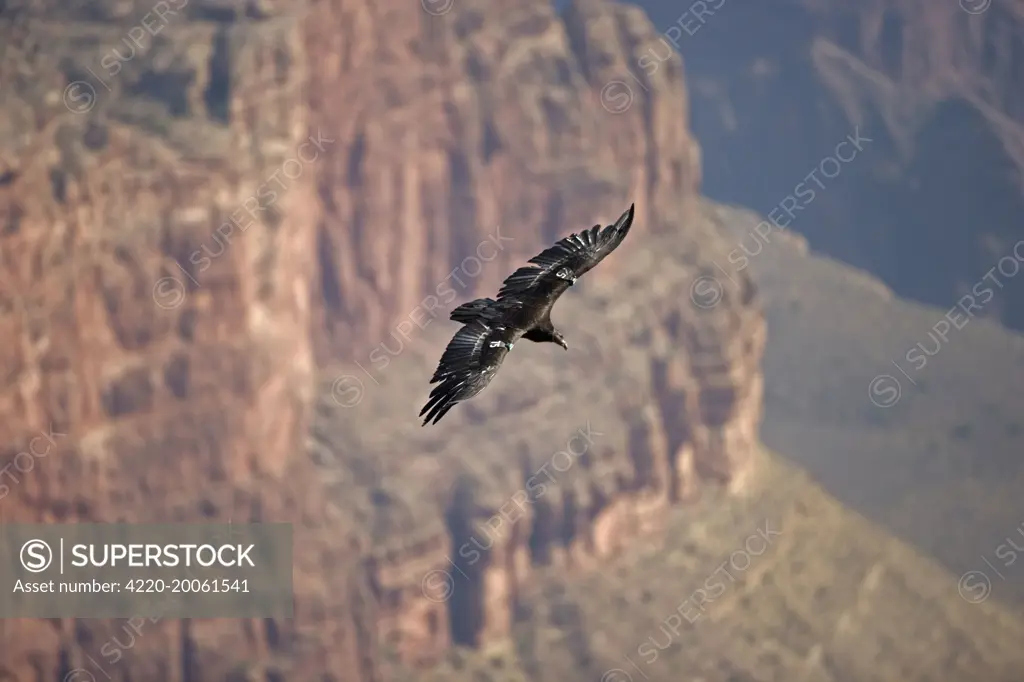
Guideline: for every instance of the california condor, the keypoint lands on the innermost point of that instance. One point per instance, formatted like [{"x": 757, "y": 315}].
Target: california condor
[{"x": 521, "y": 310}]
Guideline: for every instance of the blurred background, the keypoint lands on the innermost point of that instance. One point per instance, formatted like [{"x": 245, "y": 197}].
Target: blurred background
[{"x": 784, "y": 444}]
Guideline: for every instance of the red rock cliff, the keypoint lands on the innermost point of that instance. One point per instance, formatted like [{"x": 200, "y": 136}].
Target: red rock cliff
[
  {"x": 203, "y": 205},
  {"x": 466, "y": 121}
]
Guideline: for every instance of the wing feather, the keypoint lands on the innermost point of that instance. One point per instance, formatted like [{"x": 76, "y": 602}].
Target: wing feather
[
  {"x": 579, "y": 253},
  {"x": 467, "y": 366},
  {"x": 481, "y": 308}
]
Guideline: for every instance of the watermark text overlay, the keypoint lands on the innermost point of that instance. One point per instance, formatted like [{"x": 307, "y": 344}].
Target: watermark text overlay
[
  {"x": 975, "y": 586},
  {"x": 97, "y": 570}
]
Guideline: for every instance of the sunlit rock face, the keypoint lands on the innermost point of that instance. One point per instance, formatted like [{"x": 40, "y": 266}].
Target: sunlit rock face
[{"x": 201, "y": 205}]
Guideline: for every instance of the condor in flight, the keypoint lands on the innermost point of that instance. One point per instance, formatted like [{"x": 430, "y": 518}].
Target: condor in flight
[{"x": 522, "y": 310}]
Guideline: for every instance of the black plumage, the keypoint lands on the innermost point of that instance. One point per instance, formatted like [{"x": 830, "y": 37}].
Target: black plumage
[{"x": 522, "y": 310}]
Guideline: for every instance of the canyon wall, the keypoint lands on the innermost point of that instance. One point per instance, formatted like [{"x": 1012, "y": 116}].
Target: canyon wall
[
  {"x": 204, "y": 203},
  {"x": 936, "y": 201},
  {"x": 164, "y": 347},
  {"x": 567, "y": 461},
  {"x": 468, "y": 124}
]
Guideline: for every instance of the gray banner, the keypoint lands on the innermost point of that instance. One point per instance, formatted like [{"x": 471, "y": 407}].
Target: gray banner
[{"x": 100, "y": 570}]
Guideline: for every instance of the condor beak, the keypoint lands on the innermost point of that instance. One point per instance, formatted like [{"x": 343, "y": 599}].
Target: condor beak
[{"x": 563, "y": 344}]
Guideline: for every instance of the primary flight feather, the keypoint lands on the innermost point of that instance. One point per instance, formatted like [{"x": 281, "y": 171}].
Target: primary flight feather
[{"x": 522, "y": 310}]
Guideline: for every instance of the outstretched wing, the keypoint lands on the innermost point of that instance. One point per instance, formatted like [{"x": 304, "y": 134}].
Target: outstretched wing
[
  {"x": 478, "y": 309},
  {"x": 558, "y": 266},
  {"x": 467, "y": 365}
]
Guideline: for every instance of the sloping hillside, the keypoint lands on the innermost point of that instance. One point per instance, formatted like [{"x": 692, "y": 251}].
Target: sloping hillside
[
  {"x": 941, "y": 465},
  {"x": 202, "y": 203},
  {"x": 835, "y": 596},
  {"x": 814, "y": 592}
]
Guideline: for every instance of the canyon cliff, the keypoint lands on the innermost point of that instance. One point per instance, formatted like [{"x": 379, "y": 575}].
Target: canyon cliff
[
  {"x": 212, "y": 213},
  {"x": 937, "y": 200}
]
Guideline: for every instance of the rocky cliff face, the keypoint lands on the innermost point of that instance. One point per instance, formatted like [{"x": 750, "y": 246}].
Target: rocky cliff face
[
  {"x": 166, "y": 344},
  {"x": 605, "y": 455},
  {"x": 464, "y": 123},
  {"x": 202, "y": 204},
  {"x": 937, "y": 201}
]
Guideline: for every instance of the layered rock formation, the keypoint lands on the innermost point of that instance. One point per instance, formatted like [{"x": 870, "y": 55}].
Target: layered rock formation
[
  {"x": 204, "y": 202},
  {"x": 141, "y": 326},
  {"x": 468, "y": 124},
  {"x": 937, "y": 86},
  {"x": 604, "y": 457},
  {"x": 785, "y": 584},
  {"x": 972, "y": 50}
]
